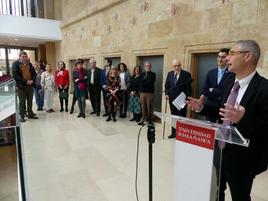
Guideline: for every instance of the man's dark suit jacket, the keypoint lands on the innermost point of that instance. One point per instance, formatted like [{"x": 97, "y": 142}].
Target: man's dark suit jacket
[
  {"x": 211, "y": 81},
  {"x": 253, "y": 126},
  {"x": 97, "y": 77},
  {"x": 17, "y": 74},
  {"x": 183, "y": 84}
]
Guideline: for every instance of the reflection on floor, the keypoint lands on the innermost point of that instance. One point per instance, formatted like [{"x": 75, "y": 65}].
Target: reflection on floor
[
  {"x": 8, "y": 173},
  {"x": 71, "y": 159}
]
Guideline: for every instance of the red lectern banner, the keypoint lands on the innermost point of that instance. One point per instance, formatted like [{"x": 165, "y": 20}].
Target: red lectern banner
[{"x": 196, "y": 135}]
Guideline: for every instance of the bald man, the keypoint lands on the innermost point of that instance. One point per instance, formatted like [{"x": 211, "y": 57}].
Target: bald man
[{"x": 177, "y": 81}]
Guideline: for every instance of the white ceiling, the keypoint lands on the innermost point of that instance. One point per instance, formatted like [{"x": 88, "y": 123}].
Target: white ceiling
[
  {"x": 28, "y": 31},
  {"x": 21, "y": 41}
]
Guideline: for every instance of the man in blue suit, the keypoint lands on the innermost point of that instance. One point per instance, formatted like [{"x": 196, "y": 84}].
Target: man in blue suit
[
  {"x": 215, "y": 81},
  {"x": 177, "y": 81}
]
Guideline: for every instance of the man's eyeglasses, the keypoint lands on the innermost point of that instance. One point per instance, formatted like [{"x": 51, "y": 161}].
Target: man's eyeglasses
[
  {"x": 221, "y": 57},
  {"x": 231, "y": 52}
]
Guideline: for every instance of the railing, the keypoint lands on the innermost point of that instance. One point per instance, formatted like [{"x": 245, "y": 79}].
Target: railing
[
  {"x": 6, "y": 82},
  {"x": 18, "y": 7},
  {"x": 10, "y": 131}
]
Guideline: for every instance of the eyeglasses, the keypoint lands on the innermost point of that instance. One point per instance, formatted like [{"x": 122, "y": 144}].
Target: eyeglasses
[
  {"x": 232, "y": 52},
  {"x": 221, "y": 57},
  {"x": 177, "y": 65}
]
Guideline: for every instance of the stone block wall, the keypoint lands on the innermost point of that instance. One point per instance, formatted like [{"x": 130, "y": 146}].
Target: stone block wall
[{"x": 176, "y": 28}]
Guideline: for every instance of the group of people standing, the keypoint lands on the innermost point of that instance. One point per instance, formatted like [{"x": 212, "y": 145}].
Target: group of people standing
[
  {"x": 121, "y": 91},
  {"x": 236, "y": 74},
  {"x": 33, "y": 79}
]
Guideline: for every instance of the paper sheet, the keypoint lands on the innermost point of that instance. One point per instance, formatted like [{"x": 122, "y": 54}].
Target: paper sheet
[{"x": 180, "y": 101}]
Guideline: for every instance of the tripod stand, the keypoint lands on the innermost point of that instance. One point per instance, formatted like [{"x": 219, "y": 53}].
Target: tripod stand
[{"x": 151, "y": 140}]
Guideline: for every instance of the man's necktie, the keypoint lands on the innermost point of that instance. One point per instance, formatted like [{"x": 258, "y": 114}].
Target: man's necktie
[
  {"x": 175, "y": 79},
  {"x": 230, "y": 101}
]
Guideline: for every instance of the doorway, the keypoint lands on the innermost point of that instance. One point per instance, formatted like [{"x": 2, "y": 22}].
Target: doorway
[
  {"x": 202, "y": 63},
  {"x": 115, "y": 60},
  {"x": 157, "y": 67}
]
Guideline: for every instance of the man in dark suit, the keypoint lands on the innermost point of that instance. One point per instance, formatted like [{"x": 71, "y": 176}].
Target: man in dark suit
[
  {"x": 24, "y": 75},
  {"x": 94, "y": 86},
  {"x": 214, "y": 82},
  {"x": 177, "y": 81},
  {"x": 104, "y": 74},
  {"x": 249, "y": 115}
]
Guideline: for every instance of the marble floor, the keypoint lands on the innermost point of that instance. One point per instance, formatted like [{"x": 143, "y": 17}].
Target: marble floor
[
  {"x": 8, "y": 173},
  {"x": 71, "y": 159}
]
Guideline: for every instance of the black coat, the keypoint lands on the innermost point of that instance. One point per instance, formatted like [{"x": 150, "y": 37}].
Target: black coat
[
  {"x": 17, "y": 74},
  {"x": 211, "y": 81},
  {"x": 183, "y": 84},
  {"x": 253, "y": 126},
  {"x": 147, "y": 80},
  {"x": 97, "y": 78}
]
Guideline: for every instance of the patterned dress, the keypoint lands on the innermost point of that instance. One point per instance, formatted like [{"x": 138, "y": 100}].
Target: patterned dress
[
  {"x": 113, "y": 101},
  {"x": 134, "y": 104}
]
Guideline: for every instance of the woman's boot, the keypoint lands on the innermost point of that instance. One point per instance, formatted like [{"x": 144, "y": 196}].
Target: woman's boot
[{"x": 109, "y": 117}]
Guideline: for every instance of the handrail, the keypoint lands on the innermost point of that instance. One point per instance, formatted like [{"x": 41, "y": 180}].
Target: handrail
[{"x": 6, "y": 82}]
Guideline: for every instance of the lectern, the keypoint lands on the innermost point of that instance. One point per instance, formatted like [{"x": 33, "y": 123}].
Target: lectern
[{"x": 198, "y": 156}]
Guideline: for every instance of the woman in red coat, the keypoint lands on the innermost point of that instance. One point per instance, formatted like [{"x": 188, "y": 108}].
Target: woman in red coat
[{"x": 62, "y": 83}]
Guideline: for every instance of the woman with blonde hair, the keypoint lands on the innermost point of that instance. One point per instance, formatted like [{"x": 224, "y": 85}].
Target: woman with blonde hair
[{"x": 113, "y": 94}]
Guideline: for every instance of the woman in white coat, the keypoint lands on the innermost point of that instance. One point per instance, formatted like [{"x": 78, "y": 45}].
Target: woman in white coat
[{"x": 48, "y": 85}]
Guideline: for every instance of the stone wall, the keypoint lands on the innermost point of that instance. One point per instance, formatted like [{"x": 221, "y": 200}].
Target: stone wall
[{"x": 176, "y": 28}]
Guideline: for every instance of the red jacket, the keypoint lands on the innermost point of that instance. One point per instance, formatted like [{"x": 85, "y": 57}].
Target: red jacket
[{"x": 62, "y": 77}]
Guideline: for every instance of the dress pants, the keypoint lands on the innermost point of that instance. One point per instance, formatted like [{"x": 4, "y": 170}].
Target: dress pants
[
  {"x": 95, "y": 96},
  {"x": 236, "y": 172},
  {"x": 25, "y": 93},
  {"x": 147, "y": 106}
]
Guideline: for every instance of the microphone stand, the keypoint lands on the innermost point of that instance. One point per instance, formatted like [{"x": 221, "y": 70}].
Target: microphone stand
[{"x": 151, "y": 140}]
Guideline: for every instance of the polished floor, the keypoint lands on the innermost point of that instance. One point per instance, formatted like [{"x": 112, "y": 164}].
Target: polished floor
[
  {"x": 71, "y": 159},
  {"x": 8, "y": 173}
]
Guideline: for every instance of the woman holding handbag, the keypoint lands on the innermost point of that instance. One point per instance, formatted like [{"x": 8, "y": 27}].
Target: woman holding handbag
[{"x": 62, "y": 83}]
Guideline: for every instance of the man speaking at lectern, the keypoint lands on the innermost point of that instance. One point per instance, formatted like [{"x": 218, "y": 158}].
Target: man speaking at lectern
[{"x": 249, "y": 115}]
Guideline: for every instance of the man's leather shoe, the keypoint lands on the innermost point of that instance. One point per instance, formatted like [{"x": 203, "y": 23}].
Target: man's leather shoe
[
  {"x": 22, "y": 119},
  {"x": 172, "y": 136},
  {"x": 80, "y": 115},
  {"x": 98, "y": 114},
  {"x": 105, "y": 115},
  {"x": 33, "y": 117},
  {"x": 93, "y": 112}
]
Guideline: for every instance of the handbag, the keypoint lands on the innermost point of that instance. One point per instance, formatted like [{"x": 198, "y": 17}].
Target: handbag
[{"x": 63, "y": 94}]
